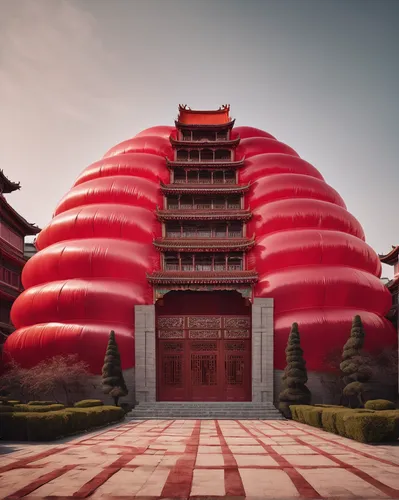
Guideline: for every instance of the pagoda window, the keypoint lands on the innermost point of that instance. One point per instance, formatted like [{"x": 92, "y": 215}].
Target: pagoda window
[
  {"x": 186, "y": 202},
  {"x": 235, "y": 262},
  {"x": 219, "y": 230},
  {"x": 179, "y": 175},
  {"x": 194, "y": 155},
  {"x": 203, "y": 262},
  {"x": 190, "y": 231},
  {"x": 171, "y": 262},
  {"x": 234, "y": 202},
  {"x": 182, "y": 155},
  {"x": 186, "y": 135},
  {"x": 219, "y": 203},
  {"x": 230, "y": 177},
  {"x": 173, "y": 202},
  {"x": 10, "y": 277},
  {"x": 235, "y": 230},
  {"x": 187, "y": 262},
  {"x": 218, "y": 177},
  {"x": 204, "y": 231},
  {"x": 205, "y": 177},
  {"x": 207, "y": 155},
  {"x": 219, "y": 262},
  {"x": 222, "y": 135},
  {"x": 202, "y": 203},
  {"x": 222, "y": 154},
  {"x": 204, "y": 135},
  {"x": 5, "y": 310},
  {"x": 173, "y": 230},
  {"x": 192, "y": 176}
]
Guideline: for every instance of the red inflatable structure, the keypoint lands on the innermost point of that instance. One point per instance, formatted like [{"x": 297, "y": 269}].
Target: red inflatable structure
[{"x": 96, "y": 253}]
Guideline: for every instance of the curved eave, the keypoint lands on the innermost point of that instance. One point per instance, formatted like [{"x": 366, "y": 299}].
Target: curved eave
[
  {"x": 193, "y": 126},
  {"x": 393, "y": 284},
  {"x": 190, "y": 245},
  {"x": 205, "y": 215},
  {"x": 164, "y": 278},
  {"x": 27, "y": 228},
  {"x": 7, "y": 186},
  {"x": 233, "y": 143},
  {"x": 199, "y": 165},
  {"x": 390, "y": 258},
  {"x": 204, "y": 188}
]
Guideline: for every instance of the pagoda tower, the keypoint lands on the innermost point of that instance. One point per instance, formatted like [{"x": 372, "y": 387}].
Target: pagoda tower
[
  {"x": 13, "y": 229},
  {"x": 203, "y": 249},
  {"x": 204, "y": 216}
]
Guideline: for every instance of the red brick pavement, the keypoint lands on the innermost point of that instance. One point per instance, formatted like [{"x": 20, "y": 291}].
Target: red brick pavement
[{"x": 202, "y": 459}]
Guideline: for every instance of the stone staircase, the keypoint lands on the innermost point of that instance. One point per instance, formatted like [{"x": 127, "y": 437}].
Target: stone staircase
[{"x": 209, "y": 410}]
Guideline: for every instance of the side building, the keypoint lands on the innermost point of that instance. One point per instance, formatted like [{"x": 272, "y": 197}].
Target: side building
[
  {"x": 392, "y": 259},
  {"x": 13, "y": 229}
]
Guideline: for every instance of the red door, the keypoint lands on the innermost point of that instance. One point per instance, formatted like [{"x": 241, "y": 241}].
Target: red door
[{"x": 203, "y": 364}]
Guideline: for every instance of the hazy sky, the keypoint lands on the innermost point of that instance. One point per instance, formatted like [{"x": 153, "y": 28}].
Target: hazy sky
[{"x": 78, "y": 76}]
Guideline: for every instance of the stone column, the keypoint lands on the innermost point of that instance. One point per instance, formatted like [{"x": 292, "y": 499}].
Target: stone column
[
  {"x": 144, "y": 338},
  {"x": 262, "y": 350}
]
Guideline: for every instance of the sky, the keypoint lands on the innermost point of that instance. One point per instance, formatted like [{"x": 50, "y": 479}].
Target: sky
[{"x": 78, "y": 76}]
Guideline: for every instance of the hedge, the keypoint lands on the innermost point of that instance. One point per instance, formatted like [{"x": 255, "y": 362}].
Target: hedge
[
  {"x": 364, "y": 425},
  {"x": 88, "y": 403},
  {"x": 380, "y": 404},
  {"x": 42, "y": 403},
  {"x": 38, "y": 408},
  {"x": 47, "y": 426}
]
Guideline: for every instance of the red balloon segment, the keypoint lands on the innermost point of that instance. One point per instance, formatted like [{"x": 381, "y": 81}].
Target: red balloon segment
[{"x": 97, "y": 252}]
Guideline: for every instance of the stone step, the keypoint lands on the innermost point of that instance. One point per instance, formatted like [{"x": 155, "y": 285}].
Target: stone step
[{"x": 209, "y": 410}]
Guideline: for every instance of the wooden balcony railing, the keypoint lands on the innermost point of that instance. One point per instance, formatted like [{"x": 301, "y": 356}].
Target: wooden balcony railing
[
  {"x": 204, "y": 206},
  {"x": 204, "y": 181},
  {"x": 204, "y": 234},
  {"x": 203, "y": 267}
]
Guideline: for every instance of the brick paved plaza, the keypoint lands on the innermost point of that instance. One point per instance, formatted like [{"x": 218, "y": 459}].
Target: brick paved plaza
[{"x": 201, "y": 458}]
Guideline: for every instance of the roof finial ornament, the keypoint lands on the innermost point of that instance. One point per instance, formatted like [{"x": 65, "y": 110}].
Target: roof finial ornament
[{"x": 184, "y": 107}]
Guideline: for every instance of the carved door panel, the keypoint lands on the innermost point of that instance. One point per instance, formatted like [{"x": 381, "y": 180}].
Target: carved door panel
[
  {"x": 171, "y": 371},
  {"x": 237, "y": 370},
  {"x": 205, "y": 377}
]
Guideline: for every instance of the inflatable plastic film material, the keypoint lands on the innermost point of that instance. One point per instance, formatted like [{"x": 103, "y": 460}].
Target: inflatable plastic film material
[
  {"x": 95, "y": 254},
  {"x": 101, "y": 221},
  {"x": 309, "y": 247}
]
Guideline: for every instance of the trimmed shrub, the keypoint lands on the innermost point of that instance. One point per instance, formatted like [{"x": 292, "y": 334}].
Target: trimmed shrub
[
  {"x": 328, "y": 419},
  {"x": 354, "y": 366},
  {"x": 328, "y": 406},
  {"x": 340, "y": 419},
  {"x": 47, "y": 426},
  {"x": 294, "y": 389},
  {"x": 380, "y": 404},
  {"x": 38, "y": 409},
  {"x": 113, "y": 382},
  {"x": 42, "y": 403},
  {"x": 370, "y": 427},
  {"x": 13, "y": 402},
  {"x": 88, "y": 403},
  {"x": 6, "y": 408}
]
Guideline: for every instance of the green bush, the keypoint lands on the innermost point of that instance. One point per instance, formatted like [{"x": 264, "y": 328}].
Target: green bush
[
  {"x": 370, "y": 427},
  {"x": 380, "y": 404},
  {"x": 88, "y": 403},
  {"x": 328, "y": 406},
  {"x": 340, "y": 419},
  {"x": 313, "y": 417},
  {"x": 38, "y": 409},
  {"x": 42, "y": 403},
  {"x": 6, "y": 408},
  {"x": 13, "y": 402},
  {"x": 47, "y": 426}
]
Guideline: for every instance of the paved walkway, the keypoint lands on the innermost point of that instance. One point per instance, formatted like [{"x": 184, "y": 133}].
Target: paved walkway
[{"x": 208, "y": 458}]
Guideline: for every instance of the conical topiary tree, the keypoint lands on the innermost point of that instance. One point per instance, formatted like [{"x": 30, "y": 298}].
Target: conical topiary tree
[
  {"x": 353, "y": 366},
  {"x": 113, "y": 382},
  {"x": 294, "y": 390}
]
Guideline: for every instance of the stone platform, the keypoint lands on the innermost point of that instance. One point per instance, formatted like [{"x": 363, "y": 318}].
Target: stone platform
[{"x": 201, "y": 459}]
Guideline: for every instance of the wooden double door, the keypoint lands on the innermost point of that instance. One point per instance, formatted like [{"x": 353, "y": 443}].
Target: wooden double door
[{"x": 211, "y": 362}]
